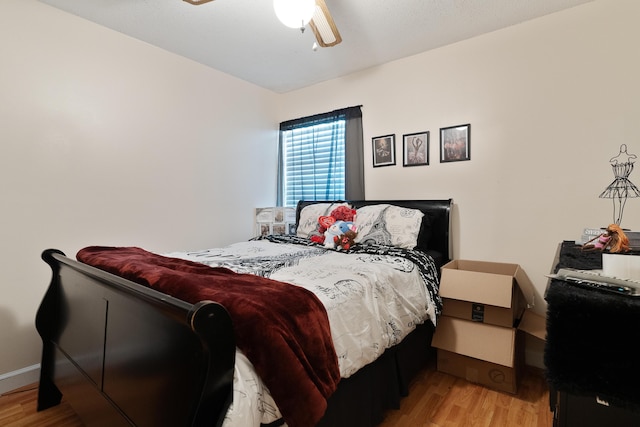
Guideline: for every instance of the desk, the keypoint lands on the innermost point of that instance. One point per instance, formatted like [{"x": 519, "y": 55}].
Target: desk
[{"x": 590, "y": 355}]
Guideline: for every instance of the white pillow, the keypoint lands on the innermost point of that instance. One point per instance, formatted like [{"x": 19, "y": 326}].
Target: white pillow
[
  {"x": 308, "y": 222},
  {"x": 388, "y": 225}
]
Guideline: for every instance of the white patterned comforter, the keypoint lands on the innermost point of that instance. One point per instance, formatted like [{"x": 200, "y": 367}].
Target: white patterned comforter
[{"x": 373, "y": 298}]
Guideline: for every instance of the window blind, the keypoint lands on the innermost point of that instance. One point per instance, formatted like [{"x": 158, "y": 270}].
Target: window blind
[{"x": 313, "y": 160}]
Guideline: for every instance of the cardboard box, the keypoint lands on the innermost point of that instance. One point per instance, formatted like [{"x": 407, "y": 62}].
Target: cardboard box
[
  {"x": 486, "y": 292},
  {"x": 481, "y": 353},
  {"x": 486, "y": 354},
  {"x": 497, "y": 377},
  {"x": 534, "y": 324},
  {"x": 480, "y": 334},
  {"x": 495, "y": 344}
]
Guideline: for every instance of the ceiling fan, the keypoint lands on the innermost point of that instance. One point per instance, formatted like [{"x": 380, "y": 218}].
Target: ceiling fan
[{"x": 320, "y": 22}]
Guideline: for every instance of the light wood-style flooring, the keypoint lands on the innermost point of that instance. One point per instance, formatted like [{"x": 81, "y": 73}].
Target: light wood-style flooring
[
  {"x": 441, "y": 400},
  {"x": 18, "y": 409},
  {"x": 435, "y": 400}
]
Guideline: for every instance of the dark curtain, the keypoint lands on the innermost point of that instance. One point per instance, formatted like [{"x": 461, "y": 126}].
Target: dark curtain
[{"x": 354, "y": 155}]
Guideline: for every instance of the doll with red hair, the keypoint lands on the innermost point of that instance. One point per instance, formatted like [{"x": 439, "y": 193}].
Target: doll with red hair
[{"x": 613, "y": 239}]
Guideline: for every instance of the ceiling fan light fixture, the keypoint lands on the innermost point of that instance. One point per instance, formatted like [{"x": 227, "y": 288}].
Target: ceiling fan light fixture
[
  {"x": 323, "y": 26},
  {"x": 197, "y": 2},
  {"x": 294, "y": 13}
]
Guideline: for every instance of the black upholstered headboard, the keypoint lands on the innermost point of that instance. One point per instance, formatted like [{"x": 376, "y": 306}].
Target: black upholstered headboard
[{"x": 434, "y": 235}]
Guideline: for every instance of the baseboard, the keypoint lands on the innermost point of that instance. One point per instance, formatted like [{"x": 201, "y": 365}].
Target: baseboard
[{"x": 19, "y": 378}]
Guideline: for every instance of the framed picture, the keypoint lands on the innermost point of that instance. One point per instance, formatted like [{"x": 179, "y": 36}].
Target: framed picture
[
  {"x": 384, "y": 150},
  {"x": 275, "y": 220},
  {"x": 415, "y": 147},
  {"x": 455, "y": 143}
]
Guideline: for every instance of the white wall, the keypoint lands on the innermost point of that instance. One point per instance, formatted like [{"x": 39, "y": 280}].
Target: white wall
[
  {"x": 107, "y": 140},
  {"x": 549, "y": 102}
]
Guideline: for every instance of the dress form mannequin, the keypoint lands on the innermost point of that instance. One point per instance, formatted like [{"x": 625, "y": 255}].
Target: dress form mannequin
[{"x": 621, "y": 188}]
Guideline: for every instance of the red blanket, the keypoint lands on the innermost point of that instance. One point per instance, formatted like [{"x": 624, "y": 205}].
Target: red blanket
[{"x": 282, "y": 329}]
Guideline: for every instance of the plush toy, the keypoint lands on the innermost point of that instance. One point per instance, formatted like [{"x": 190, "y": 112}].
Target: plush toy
[
  {"x": 334, "y": 232},
  {"x": 341, "y": 213},
  {"x": 346, "y": 240},
  {"x": 324, "y": 223}
]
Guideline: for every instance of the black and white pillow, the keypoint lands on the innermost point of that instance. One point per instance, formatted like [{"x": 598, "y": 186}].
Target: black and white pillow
[
  {"x": 308, "y": 222},
  {"x": 388, "y": 225}
]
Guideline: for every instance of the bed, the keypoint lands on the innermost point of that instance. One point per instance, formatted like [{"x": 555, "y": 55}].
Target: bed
[{"x": 138, "y": 349}]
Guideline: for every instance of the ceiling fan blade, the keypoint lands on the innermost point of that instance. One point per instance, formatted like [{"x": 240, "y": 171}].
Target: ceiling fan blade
[
  {"x": 197, "y": 2},
  {"x": 323, "y": 26}
]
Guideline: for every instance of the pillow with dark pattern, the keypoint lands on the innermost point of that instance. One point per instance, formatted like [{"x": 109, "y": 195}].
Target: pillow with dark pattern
[
  {"x": 388, "y": 225},
  {"x": 308, "y": 223}
]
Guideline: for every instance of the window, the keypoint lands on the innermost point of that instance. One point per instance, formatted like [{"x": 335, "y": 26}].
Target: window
[
  {"x": 313, "y": 161},
  {"x": 314, "y": 154}
]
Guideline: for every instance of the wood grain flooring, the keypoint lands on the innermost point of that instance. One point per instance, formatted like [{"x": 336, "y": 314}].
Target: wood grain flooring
[
  {"x": 441, "y": 400},
  {"x": 435, "y": 400},
  {"x": 18, "y": 409}
]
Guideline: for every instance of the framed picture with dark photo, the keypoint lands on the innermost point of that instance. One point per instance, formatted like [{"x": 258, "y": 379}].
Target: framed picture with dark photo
[
  {"x": 455, "y": 143},
  {"x": 384, "y": 150},
  {"x": 415, "y": 148}
]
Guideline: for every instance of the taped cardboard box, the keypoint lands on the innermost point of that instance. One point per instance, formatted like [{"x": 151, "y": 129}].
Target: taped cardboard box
[
  {"x": 485, "y": 354},
  {"x": 534, "y": 324},
  {"x": 491, "y": 375},
  {"x": 486, "y": 292}
]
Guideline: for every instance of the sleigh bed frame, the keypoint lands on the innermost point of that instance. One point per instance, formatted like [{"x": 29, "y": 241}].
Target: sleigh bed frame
[{"x": 122, "y": 354}]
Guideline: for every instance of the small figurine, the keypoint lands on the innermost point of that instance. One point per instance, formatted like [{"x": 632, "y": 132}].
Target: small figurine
[{"x": 613, "y": 239}]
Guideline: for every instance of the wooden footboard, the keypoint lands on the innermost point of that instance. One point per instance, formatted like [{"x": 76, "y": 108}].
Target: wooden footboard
[{"x": 117, "y": 349}]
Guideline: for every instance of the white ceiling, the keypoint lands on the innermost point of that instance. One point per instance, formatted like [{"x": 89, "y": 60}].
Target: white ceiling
[{"x": 244, "y": 38}]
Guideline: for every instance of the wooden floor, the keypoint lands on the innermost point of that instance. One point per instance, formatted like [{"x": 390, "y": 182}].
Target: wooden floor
[
  {"x": 435, "y": 400},
  {"x": 18, "y": 409},
  {"x": 440, "y": 400}
]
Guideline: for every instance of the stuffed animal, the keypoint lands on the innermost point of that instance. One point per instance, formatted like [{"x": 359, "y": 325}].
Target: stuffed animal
[
  {"x": 341, "y": 213},
  {"x": 336, "y": 229},
  {"x": 346, "y": 240},
  {"x": 324, "y": 222}
]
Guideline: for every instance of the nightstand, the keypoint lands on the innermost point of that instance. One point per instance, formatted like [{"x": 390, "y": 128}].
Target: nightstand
[{"x": 590, "y": 358}]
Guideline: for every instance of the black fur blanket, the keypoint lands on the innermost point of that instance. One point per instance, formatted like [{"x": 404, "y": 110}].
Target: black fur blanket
[{"x": 591, "y": 337}]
